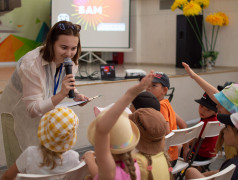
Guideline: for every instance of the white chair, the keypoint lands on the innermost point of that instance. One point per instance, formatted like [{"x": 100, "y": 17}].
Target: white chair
[
  {"x": 79, "y": 172},
  {"x": 212, "y": 129},
  {"x": 168, "y": 139},
  {"x": 180, "y": 137},
  {"x": 10, "y": 141},
  {"x": 225, "y": 174}
]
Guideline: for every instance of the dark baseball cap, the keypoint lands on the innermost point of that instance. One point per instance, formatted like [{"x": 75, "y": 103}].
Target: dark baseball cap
[
  {"x": 160, "y": 77},
  {"x": 227, "y": 119},
  {"x": 146, "y": 100},
  {"x": 207, "y": 102}
]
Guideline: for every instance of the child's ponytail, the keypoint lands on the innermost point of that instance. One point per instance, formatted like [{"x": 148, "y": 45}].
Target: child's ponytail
[
  {"x": 169, "y": 165},
  {"x": 49, "y": 157},
  {"x": 149, "y": 166},
  {"x": 129, "y": 162}
]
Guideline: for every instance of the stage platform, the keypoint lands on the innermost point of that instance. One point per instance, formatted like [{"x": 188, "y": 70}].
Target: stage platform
[{"x": 87, "y": 69}]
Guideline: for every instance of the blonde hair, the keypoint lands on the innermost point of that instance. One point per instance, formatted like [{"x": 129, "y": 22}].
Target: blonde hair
[
  {"x": 220, "y": 140},
  {"x": 127, "y": 159},
  {"x": 148, "y": 157},
  {"x": 49, "y": 157}
]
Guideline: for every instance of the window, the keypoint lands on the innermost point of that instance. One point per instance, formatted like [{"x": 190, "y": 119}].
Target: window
[{"x": 166, "y": 4}]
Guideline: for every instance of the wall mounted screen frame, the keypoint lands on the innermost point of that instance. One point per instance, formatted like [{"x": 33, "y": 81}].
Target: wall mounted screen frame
[{"x": 105, "y": 24}]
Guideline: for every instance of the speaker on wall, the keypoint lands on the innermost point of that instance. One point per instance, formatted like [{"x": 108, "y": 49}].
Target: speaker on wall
[{"x": 188, "y": 48}]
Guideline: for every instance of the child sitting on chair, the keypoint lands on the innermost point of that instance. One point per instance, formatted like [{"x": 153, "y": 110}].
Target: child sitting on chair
[
  {"x": 207, "y": 112},
  {"x": 226, "y": 100},
  {"x": 228, "y": 135},
  {"x": 57, "y": 135},
  {"x": 114, "y": 136},
  {"x": 159, "y": 88},
  {"x": 151, "y": 156}
]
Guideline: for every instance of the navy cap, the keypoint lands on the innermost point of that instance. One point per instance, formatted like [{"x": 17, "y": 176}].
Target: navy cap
[
  {"x": 160, "y": 77},
  {"x": 207, "y": 102}
]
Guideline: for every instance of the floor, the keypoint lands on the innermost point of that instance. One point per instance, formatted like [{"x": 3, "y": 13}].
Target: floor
[{"x": 214, "y": 166}]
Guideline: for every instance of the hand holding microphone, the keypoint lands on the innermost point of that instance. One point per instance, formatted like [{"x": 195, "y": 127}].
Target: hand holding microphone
[{"x": 68, "y": 69}]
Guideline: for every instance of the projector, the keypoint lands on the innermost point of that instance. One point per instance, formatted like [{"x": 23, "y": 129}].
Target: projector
[{"x": 134, "y": 73}]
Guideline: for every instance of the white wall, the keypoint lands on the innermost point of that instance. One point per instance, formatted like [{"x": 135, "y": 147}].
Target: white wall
[{"x": 153, "y": 33}]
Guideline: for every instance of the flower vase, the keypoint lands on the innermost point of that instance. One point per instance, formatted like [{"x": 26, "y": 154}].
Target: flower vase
[
  {"x": 210, "y": 64},
  {"x": 209, "y": 59}
]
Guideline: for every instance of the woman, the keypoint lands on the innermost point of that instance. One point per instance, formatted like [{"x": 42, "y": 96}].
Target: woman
[{"x": 39, "y": 82}]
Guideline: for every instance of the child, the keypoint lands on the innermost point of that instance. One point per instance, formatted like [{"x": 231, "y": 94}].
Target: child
[
  {"x": 207, "y": 112},
  {"x": 151, "y": 156},
  {"x": 57, "y": 135},
  {"x": 159, "y": 87},
  {"x": 114, "y": 137},
  {"x": 145, "y": 100},
  {"x": 230, "y": 137},
  {"x": 226, "y": 99}
]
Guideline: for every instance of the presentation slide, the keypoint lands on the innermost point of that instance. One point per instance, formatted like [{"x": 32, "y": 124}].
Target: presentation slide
[{"x": 104, "y": 23}]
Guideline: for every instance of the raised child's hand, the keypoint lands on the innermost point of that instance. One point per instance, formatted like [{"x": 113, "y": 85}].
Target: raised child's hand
[
  {"x": 143, "y": 84},
  {"x": 190, "y": 72},
  {"x": 88, "y": 156}
]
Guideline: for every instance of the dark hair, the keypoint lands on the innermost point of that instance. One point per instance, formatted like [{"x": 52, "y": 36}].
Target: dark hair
[
  {"x": 221, "y": 87},
  {"x": 60, "y": 28}
]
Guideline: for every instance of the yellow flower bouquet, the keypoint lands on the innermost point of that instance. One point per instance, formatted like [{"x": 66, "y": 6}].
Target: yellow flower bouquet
[{"x": 194, "y": 8}]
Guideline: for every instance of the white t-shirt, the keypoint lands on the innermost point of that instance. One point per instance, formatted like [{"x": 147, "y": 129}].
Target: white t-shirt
[{"x": 29, "y": 161}]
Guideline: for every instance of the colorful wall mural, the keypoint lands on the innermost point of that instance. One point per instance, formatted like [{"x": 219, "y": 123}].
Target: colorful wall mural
[{"x": 24, "y": 25}]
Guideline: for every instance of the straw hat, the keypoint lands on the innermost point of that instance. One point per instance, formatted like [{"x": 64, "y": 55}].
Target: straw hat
[
  {"x": 124, "y": 135},
  {"x": 152, "y": 127},
  {"x": 57, "y": 129},
  {"x": 98, "y": 109}
]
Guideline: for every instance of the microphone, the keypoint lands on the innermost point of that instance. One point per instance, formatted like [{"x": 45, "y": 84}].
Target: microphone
[{"x": 68, "y": 69}]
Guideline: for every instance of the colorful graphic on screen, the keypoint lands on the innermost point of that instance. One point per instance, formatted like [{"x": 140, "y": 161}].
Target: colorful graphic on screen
[
  {"x": 100, "y": 15},
  {"x": 104, "y": 23}
]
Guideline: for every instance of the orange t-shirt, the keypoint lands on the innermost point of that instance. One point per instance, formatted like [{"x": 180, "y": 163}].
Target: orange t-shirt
[{"x": 170, "y": 116}]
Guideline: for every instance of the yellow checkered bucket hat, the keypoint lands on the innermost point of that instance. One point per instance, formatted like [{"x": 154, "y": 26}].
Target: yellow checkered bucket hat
[{"x": 57, "y": 129}]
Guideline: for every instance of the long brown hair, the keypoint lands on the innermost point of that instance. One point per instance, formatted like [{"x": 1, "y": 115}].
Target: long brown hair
[
  {"x": 60, "y": 28},
  {"x": 127, "y": 159},
  {"x": 49, "y": 157}
]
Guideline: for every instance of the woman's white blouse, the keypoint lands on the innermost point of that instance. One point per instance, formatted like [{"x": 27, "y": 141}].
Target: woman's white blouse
[{"x": 28, "y": 95}]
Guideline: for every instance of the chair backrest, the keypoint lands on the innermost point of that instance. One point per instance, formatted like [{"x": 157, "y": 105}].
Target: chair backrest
[
  {"x": 221, "y": 175},
  {"x": 168, "y": 138},
  {"x": 10, "y": 141},
  {"x": 212, "y": 129},
  {"x": 170, "y": 93},
  {"x": 182, "y": 136},
  {"x": 79, "y": 172}
]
